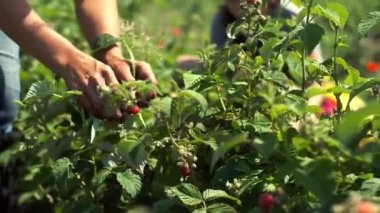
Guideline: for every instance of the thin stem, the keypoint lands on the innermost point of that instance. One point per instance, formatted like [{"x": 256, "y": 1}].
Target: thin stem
[
  {"x": 170, "y": 135},
  {"x": 131, "y": 56},
  {"x": 221, "y": 100},
  {"x": 303, "y": 48},
  {"x": 142, "y": 120},
  {"x": 335, "y": 71},
  {"x": 303, "y": 69}
]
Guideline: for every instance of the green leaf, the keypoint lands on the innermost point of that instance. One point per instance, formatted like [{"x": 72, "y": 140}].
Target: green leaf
[
  {"x": 311, "y": 36},
  {"x": 164, "y": 105},
  {"x": 331, "y": 15},
  {"x": 190, "y": 79},
  {"x": 196, "y": 96},
  {"x": 187, "y": 193},
  {"x": 211, "y": 194},
  {"x": 100, "y": 177},
  {"x": 130, "y": 182},
  {"x": 266, "y": 143},
  {"x": 317, "y": 177},
  {"x": 300, "y": 143},
  {"x": 341, "y": 11},
  {"x": 367, "y": 23},
  {"x": 370, "y": 188},
  {"x": 228, "y": 143},
  {"x": 314, "y": 91},
  {"x": 280, "y": 109},
  {"x": 334, "y": 12},
  {"x": 231, "y": 66},
  {"x": 60, "y": 167},
  {"x": 220, "y": 208},
  {"x": 295, "y": 66},
  {"x": 267, "y": 49},
  {"x": 362, "y": 87},
  {"x": 104, "y": 41},
  {"x": 40, "y": 89},
  {"x": 352, "y": 123}
]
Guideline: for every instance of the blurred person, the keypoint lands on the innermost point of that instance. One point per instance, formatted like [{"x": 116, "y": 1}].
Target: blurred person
[
  {"x": 230, "y": 11},
  {"x": 21, "y": 26}
]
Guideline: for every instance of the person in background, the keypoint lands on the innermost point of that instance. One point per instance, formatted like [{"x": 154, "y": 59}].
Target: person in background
[
  {"x": 21, "y": 26},
  {"x": 230, "y": 11}
]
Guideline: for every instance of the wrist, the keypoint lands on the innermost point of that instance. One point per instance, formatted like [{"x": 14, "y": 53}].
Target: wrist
[
  {"x": 70, "y": 60},
  {"x": 109, "y": 54}
]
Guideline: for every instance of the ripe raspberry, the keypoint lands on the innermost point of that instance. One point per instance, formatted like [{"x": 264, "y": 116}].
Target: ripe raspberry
[
  {"x": 266, "y": 202},
  {"x": 366, "y": 207},
  {"x": 373, "y": 66},
  {"x": 133, "y": 110},
  {"x": 328, "y": 106},
  {"x": 185, "y": 170}
]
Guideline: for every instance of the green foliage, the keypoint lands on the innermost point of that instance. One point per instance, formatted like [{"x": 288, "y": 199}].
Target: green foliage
[
  {"x": 243, "y": 125},
  {"x": 369, "y": 21}
]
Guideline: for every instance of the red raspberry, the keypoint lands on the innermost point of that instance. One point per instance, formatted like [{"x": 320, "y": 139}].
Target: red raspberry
[
  {"x": 373, "y": 66},
  {"x": 133, "y": 110},
  {"x": 185, "y": 170},
  {"x": 366, "y": 207},
  {"x": 266, "y": 202},
  {"x": 328, "y": 106}
]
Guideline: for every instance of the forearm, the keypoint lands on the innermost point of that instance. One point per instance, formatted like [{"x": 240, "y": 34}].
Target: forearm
[
  {"x": 97, "y": 17},
  {"x": 25, "y": 27}
]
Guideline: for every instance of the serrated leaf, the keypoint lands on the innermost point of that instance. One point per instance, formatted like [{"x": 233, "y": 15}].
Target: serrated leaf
[
  {"x": 228, "y": 143},
  {"x": 370, "y": 188},
  {"x": 190, "y": 79},
  {"x": 328, "y": 13},
  {"x": 341, "y": 11},
  {"x": 311, "y": 35},
  {"x": 315, "y": 176},
  {"x": 369, "y": 21},
  {"x": 104, "y": 41},
  {"x": 266, "y": 144},
  {"x": 164, "y": 105},
  {"x": 351, "y": 125},
  {"x": 212, "y": 194},
  {"x": 100, "y": 177},
  {"x": 220, "y": 208},
  {"x": 187, "y": 193},
  {"x": 362, "y": 87},
  {"x": 196, "y": 96},
  {"x": 130, "y": 182},
  {"x": 60, "y": 167},
  {"x": 40, "y": 89},
  {"x": 295, "y": 66}
]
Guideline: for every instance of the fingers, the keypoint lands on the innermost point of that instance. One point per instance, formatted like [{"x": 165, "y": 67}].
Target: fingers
[
  {"x": 122, "y": 71},
  {"x": 144, "y": 72},
  {"x": 89, "y": 78},
  {"x": 109, "y": 76}
]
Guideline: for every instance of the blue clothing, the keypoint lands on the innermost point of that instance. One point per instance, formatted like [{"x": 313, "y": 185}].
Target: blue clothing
[{"x": 9, "y": 82}]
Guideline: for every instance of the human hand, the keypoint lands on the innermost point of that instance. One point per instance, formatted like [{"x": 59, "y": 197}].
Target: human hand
[
  {"x": 88, "y": 75},
  {"x": 123, "y": 70}
]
